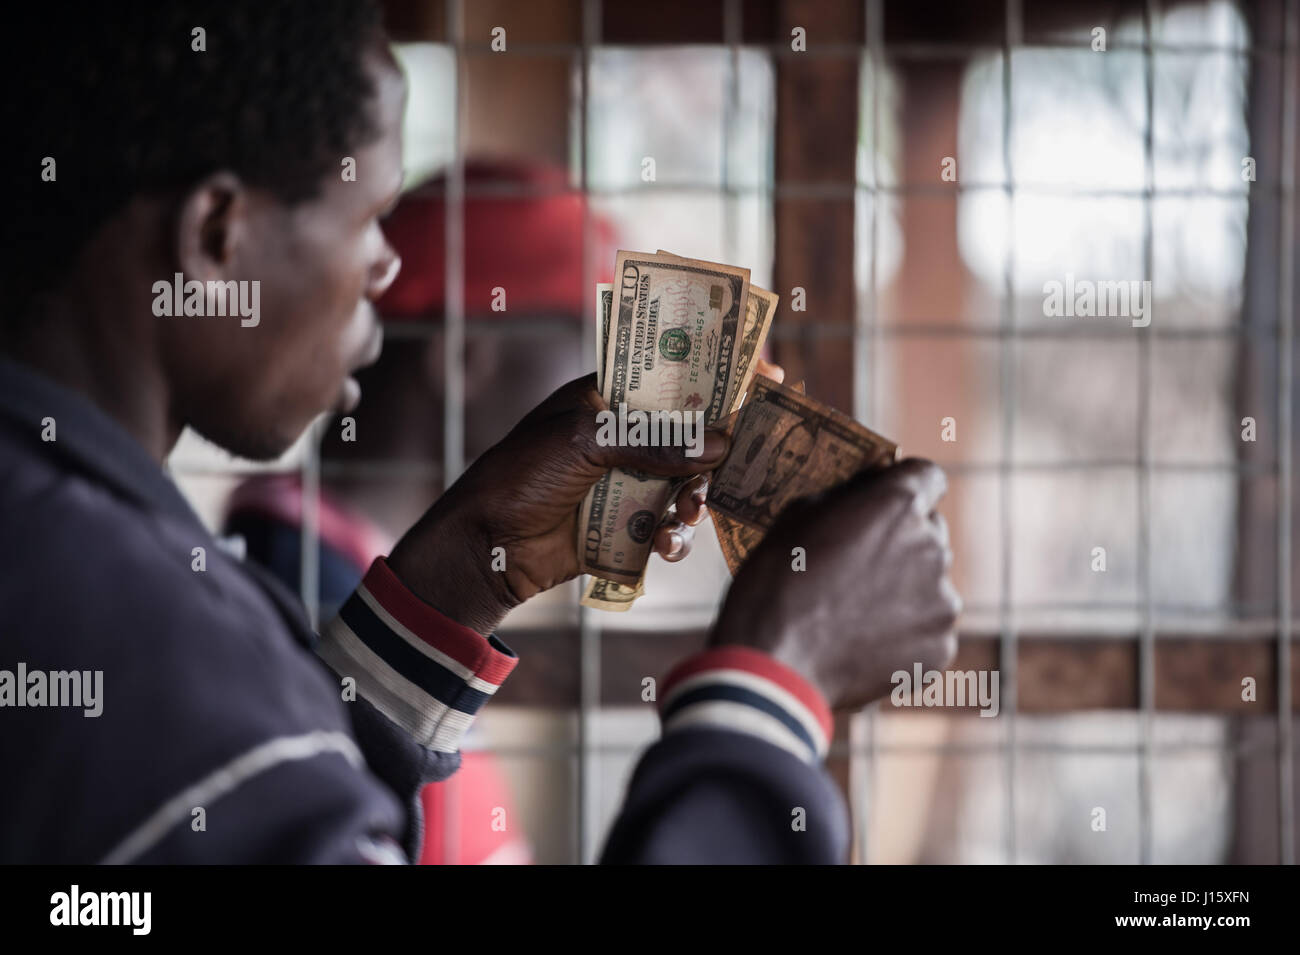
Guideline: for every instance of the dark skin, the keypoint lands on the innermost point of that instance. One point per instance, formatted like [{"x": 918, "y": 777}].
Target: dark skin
[
  {"x": 321, "y": 265},
  {"x": 879, "y": 553},
  {"x": 875, "y": 596},
  {"x": 523, "y": 495}
]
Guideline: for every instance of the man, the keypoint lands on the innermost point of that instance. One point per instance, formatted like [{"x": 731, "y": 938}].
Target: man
[
  {"x": 531, "y": 243},
  {"x": 209, "y": 144}
]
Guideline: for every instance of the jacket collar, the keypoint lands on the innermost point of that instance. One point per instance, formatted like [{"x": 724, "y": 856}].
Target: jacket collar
[{"x": 87, "y": 439}]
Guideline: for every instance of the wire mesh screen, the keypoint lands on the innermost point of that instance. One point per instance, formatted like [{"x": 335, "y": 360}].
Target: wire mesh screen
[{"x": 1050, "y": 246}]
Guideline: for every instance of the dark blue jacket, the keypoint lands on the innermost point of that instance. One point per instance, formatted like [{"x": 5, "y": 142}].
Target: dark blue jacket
[{"x": 227, "y": 731}]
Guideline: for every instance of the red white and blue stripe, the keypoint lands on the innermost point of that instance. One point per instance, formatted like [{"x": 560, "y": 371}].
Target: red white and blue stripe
[
  {"x": 425, "y": 672},
  {"x": 740, "y": 689}
]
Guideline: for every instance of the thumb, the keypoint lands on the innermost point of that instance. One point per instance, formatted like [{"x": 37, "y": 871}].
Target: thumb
[{"x": 702, "y": 450}]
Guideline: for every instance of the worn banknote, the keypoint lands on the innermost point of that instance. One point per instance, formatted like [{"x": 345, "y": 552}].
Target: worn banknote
[
  {"x": 785, "y": 446},
  {"x": 604, "y": 304},
  {"x": 760, "y": 309},
  {"x": 735, "y": 539},
  {"x": 605, "y": 594},
  {"x": 672, "y": 345}
]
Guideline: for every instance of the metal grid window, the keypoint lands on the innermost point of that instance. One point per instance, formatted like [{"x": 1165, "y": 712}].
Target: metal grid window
[{"x": 822, "y": 171}]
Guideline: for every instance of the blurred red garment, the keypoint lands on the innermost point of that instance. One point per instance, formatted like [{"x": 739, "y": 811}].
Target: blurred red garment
[
  {"x": 523, "y": 233},
  {"x": 266, "y": 511},
  {"x": 469, "y": 818}
]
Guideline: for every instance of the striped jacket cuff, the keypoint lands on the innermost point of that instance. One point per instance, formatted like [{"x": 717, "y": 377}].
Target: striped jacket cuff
[
  {"x": 422, "y": 670},
  {"x": 740, "y": 689}
]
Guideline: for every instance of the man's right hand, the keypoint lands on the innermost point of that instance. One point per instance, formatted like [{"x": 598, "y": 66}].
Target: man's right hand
[{"x": 875, "y": 595}]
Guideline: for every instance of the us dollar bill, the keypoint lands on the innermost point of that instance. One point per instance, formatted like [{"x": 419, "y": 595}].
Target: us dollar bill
[
  {"x": 672, "y": 345},
  {"x": 606, "y": 595},
  {"x": 604, "y": 304},
  {"x": 760, "y": 308},
  {"x": 735, "y": 539},
  {"x": 602, "y": 594},
  {"x": 673, "y": 334},
  {"x": 758, "y": 322},
  {"x": 785, "y": 446}
]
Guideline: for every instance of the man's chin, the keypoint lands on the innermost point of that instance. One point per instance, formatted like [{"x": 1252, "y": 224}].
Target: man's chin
[
  {"x": 269, "y": 442},
  {"x": 252, "y": 445},
  {"x": 349, "y": 396}
]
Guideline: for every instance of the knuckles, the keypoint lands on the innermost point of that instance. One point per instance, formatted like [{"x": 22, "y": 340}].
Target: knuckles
[
  {"x": 904, "y": 496},
  {"x": 578, "y": 426},
  {"x": 946, "y": 650}
]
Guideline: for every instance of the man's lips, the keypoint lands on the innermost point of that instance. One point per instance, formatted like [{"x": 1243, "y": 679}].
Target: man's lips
[
  {"x": 375, "y": 345},
  {"x": 350, "y": 394}
]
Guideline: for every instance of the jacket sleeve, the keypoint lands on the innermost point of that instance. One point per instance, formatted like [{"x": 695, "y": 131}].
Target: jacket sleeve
[
  {"x": 737, "y": 776},
  {"x": 420, "y": 679}
]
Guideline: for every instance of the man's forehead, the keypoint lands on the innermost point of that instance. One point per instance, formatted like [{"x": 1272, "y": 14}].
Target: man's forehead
[
  {"x": 390, "y": 104},
  {"x": 390, "y": 84},
  {"x": 377, "y": 165}
]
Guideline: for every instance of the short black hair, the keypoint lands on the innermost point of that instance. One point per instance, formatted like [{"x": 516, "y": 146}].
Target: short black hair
[{"x": 117, "y": 94}]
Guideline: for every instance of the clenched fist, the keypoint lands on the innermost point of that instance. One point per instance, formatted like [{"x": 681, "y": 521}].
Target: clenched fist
[{"x": 875, "y": 597}]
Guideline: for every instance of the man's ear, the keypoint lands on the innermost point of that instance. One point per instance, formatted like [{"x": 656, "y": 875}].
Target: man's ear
[{"x": 212, "y": 224}]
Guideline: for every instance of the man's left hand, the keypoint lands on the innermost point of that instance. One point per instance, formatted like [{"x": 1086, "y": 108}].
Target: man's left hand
[{"x": 523, "y": 495}]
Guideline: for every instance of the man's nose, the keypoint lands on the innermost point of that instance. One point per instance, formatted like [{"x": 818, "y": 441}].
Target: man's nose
[{"x": 385, "y": 273}]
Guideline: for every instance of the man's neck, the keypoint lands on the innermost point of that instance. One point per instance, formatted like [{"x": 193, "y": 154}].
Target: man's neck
[{"x": 123, "y": 378}]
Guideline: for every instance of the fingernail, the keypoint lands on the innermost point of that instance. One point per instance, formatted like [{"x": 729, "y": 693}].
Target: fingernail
[
  {"x": 715, "y": 446},
  {"x": 677, "y": 543}
]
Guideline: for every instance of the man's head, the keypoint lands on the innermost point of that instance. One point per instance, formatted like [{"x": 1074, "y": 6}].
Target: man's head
[{"x": 217, "y": 140}]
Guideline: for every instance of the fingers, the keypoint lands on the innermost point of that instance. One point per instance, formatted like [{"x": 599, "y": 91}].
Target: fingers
[
  {"x": 690, "y": 501},
  {"x": 921, "y": 481},
  {"x": 576, "y": 415},
  {"x": 676, "y": 534},
  {"x": 702, "y": 452},
  {"x": 923, "y": 478},
  {"x": 673, "y": 541},
  {"x": 580, "y": 394},
  {"x": 941, "y": 532},
  {"x": 580, "y": 390},
  {"x": 769, "y": 370}
]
